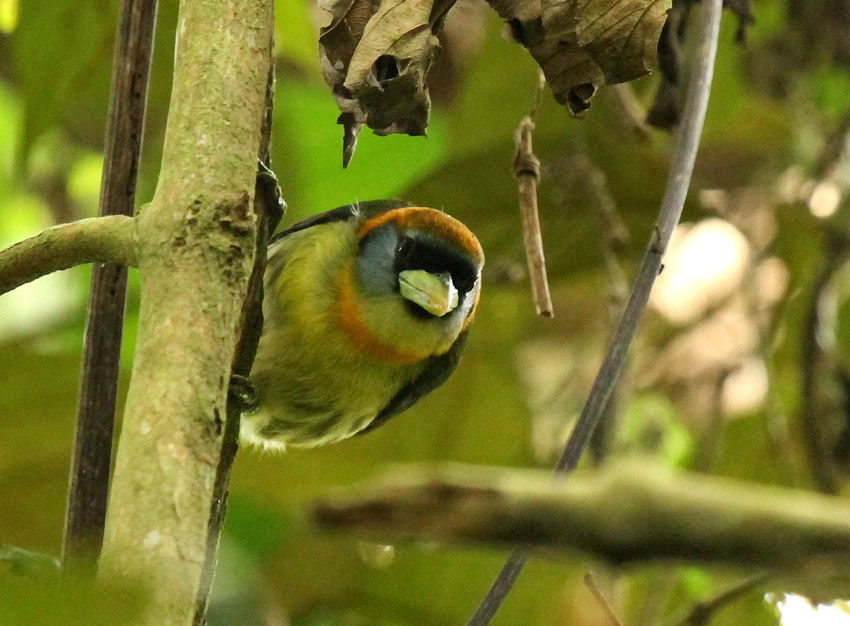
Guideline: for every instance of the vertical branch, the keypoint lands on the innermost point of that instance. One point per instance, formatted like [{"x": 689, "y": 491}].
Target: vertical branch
[
  {"x": 527, "y": 174},
  {"x": 196, "y": 250},
  {"x": 678, "y": 181},
  {"x": 89, "y": 479},
  {"x": 268, "y": 215}
]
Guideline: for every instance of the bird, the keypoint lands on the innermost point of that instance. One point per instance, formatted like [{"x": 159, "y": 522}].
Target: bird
[{"x": 367, "y": 308}]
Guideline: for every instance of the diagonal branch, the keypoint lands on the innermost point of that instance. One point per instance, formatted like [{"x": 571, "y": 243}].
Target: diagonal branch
[
  {"x": 601, "y": 600},
  {"x": 678, "y": 181},
  {"x": 94, "y": 240}
]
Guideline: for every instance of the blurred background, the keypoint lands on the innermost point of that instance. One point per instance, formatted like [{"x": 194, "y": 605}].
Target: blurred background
[{"x": 741, "y": 367}]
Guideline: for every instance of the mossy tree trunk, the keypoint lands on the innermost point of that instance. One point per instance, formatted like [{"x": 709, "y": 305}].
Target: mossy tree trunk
[{"x": 195, "y": 250}]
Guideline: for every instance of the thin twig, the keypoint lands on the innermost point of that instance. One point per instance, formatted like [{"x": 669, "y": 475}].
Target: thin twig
[
  {"x": 678, "y": 182},
  {"x": 709, "y": 443},
  {"x": 602, "y": 600},
  {"x": 107, "y": 239},
  {"x": 527, "y": 173},
  {"x": 89, "y": 481},
  {"x": 703, "y": 611}
]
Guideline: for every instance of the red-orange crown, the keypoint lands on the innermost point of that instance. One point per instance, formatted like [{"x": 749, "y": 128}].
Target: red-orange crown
[{"x": 432, "y": 221}]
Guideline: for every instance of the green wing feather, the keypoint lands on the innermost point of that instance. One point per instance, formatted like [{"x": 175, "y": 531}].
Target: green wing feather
[{"x": 361, "y": 210}]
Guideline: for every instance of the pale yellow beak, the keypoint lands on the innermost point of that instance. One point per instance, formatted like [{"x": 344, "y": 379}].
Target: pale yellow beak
[{"x": 435, "y": 293}]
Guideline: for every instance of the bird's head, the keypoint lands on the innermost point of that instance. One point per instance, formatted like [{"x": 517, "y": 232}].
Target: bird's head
[{"x": 418, "y": 271}]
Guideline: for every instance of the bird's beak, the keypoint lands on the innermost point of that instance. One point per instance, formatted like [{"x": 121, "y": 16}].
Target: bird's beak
[{"x": 435, "y": 293}]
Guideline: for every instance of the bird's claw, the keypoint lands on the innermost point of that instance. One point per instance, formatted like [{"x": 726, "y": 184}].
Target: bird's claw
[
  {"x": 269, "y": 194},
  {"x": 243, "y": 390}
]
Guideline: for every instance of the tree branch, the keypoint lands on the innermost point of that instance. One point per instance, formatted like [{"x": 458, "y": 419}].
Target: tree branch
[
  {"x": 627, "y": 513},
  {"x": 94, "y": 240},
  {"x": 268, "y": 212},
  {"x": 88, "y": 487},
  {"x": 197, "y": 246},
  {"x": 678, "y": 181}
]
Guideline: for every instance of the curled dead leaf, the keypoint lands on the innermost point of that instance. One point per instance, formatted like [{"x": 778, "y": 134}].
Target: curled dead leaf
[
  {"x": 375, "y": 56},
  {"x": 376, "y": 53},
  {"x": 582, "y": 46}
]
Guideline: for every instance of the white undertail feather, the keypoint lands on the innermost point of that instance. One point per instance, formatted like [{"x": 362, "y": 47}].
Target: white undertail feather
[{"x": 248, "y": 432}]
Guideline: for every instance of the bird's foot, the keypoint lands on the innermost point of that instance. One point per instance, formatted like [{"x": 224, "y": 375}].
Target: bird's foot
[
  {"x": 243, "y": 390},
  {"x": 269, "y": 194}
]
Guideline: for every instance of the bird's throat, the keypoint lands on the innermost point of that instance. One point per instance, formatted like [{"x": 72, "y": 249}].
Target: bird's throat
[{"x": 363, "y": 327}]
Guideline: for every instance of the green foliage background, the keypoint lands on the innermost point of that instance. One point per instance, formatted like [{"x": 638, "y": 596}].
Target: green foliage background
[{"x": 54, "y": 84}]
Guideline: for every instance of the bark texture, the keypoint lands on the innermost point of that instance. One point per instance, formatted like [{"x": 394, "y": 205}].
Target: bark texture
[{"x": 196, "y": 246}]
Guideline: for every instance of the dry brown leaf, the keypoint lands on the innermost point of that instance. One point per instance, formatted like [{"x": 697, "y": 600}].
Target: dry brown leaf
[
  {"x": 375, "y": 55},
  {"x": 582, "y": 45}
]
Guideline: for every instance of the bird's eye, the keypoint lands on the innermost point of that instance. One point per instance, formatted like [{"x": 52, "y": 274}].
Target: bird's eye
[{"x": 403, "y": 248}]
